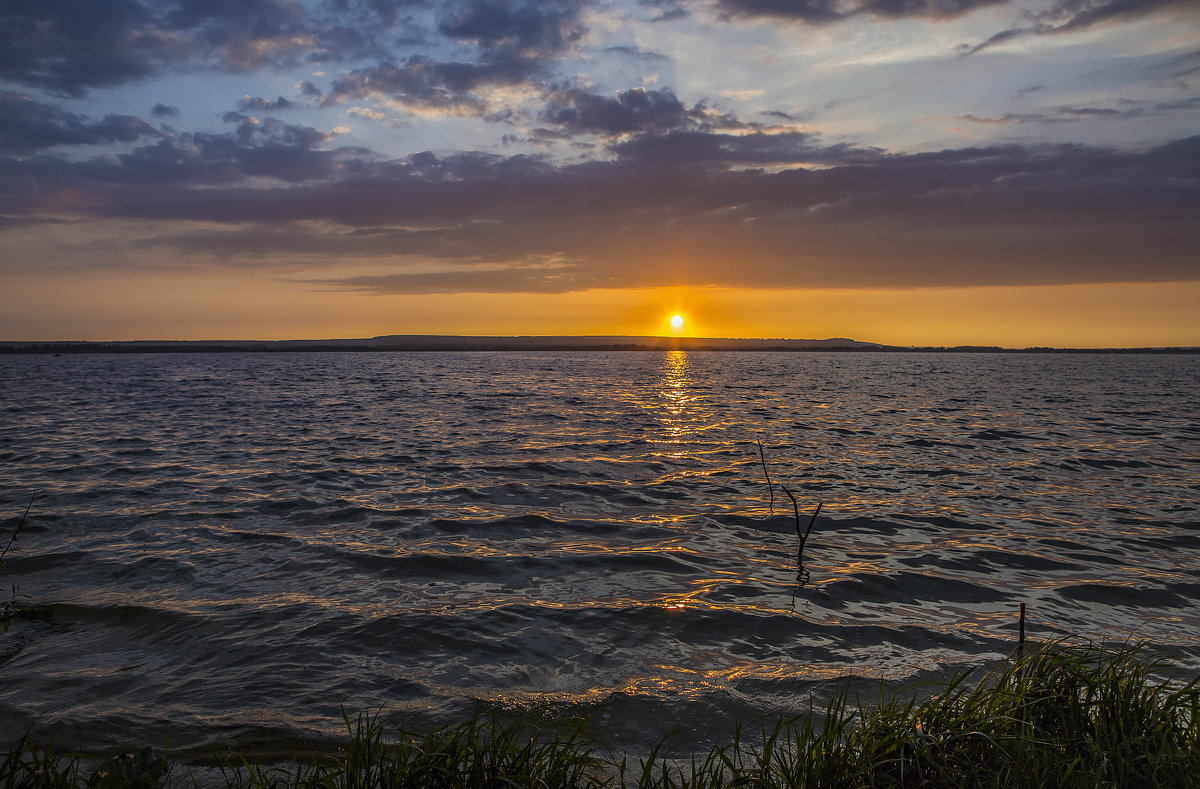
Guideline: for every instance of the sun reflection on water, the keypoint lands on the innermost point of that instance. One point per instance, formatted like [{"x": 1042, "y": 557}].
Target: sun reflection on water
[
  {"x": 678, "y": 412},
  {"x": 675, "y": 392}
]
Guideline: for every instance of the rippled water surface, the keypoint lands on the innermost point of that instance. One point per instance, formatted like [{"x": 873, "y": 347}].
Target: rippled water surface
[{"x": 227, "y": 548}]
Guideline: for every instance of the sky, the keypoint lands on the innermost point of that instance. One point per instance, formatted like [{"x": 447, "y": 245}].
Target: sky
[{"x": 912, "y": 172}]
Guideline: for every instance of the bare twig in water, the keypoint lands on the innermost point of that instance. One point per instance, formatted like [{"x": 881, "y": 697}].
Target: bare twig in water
[
  {"x": 811, "y": 521},
  {"x": 19, "y": 525},
  {"x": 10, "y": 607},
  {"x": 803, "y": 537},
  {"x": 1021, "y": 632},
  {"x": 762, "y": 456}
]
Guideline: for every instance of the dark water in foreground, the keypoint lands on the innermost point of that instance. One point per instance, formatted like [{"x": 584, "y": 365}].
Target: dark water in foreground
[{"x": 237, "y": 545}]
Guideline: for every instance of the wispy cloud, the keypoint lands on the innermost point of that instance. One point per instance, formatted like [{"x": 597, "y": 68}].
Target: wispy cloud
[{"x": 1071, "y": 16}]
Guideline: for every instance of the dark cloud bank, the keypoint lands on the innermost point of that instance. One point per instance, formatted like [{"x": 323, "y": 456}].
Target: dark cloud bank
[
  {"x": 71, "y": 47},
  {"x": 677, "y": 203}
]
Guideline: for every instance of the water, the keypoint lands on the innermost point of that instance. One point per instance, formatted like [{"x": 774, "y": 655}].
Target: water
[{"x": 228, "y": 548}]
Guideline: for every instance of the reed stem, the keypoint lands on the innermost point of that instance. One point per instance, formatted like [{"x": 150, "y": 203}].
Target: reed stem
[
  {"x": 770, "y": 487},
  {"x": 17, "y": 530},
  {"x": 1021, "y": 632}
]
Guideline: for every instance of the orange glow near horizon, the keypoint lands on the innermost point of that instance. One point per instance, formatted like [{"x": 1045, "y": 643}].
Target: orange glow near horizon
[{"x": 179, "y": 306}]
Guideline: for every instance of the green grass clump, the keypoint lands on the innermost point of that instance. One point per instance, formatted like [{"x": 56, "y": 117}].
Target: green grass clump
[
  {"x": 1059, "y": 716},
  {"x": 482, "y": 752},
  {"x": 28, "y": 767}
]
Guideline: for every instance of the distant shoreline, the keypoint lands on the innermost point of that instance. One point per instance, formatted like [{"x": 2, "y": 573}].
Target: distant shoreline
[{"x": 434, "y": 343}]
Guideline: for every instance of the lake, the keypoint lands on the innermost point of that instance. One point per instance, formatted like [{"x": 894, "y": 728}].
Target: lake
[{"x": 227, "y": 549}]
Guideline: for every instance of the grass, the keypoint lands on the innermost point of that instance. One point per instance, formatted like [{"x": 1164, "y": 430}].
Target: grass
[{"x": 1058, "y": 715}]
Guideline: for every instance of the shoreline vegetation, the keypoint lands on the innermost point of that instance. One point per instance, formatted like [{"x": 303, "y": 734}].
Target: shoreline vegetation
[
  {"x": 1055, "y": 714},
  {"x": 411, "y": 343}
]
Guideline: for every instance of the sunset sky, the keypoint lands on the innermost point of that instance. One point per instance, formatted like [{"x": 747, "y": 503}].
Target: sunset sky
[{"x": 1007, "y": 172}]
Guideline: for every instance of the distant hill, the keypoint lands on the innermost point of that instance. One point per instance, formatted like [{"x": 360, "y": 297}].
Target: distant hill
[{"x": 422, "y": 342}]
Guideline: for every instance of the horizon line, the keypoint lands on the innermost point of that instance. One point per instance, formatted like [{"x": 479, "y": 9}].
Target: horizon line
[{"x": 483, "y": 342}]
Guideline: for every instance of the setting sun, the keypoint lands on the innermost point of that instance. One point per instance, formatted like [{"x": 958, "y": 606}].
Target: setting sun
[{"x": 676, "y": 322}]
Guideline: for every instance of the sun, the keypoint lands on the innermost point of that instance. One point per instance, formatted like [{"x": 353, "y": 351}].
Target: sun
[{"x": 676, "y": 322}]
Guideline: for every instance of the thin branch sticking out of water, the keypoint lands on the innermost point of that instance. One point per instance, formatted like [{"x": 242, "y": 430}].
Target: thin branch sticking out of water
[
  {"x": 1021, "y": 633},
  {"x": 803, "y": 537},
  {"x": 17, "y": 530},
  {"x": 771, "y": 488},
  {"x": 10, "y": 607}
]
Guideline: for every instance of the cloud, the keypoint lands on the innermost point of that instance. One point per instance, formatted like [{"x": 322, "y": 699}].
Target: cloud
[
  {"x": 638, "y": 53},
  {"x": 819, "y": 12},
  {"x": 515, "y": 43},
  {"x": 1064, "y": 16},
  {"x": 267, "y": 149},
  {"x": 310, "y": 91},
  {"x": 1069, "y": 16},
  {"x": 636, "y": 110},
  {"x": 672, "y": 207},
  {"x": 810, "y": 11},
  {"x": 422, "y": 82},
  {"x": 388, "y": 12},
  {"x": 70, "y": 47},
  {"x": 512, "y": 29},
  {"x": 928, "y": 9},
  {"x": 694, "y": 147},
  {"x": 666, "y": 10},
  {"x": 247, "y": 35},
  {"x": 1182, "y": 66},
  {"x": 1071, "y": 114},
  {"x": 506, "y": 279},
  {"x": 259, "y": 104},
  {"x": 1082, "y": 14},
  {"x": 27, "y": 125},
  {"x": 164, "y": 111},
  {"x": 368, "y": 113}
]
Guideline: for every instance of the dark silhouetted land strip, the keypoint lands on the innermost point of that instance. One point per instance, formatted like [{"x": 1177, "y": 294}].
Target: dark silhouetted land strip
[{"x": 417, "y": 342}]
